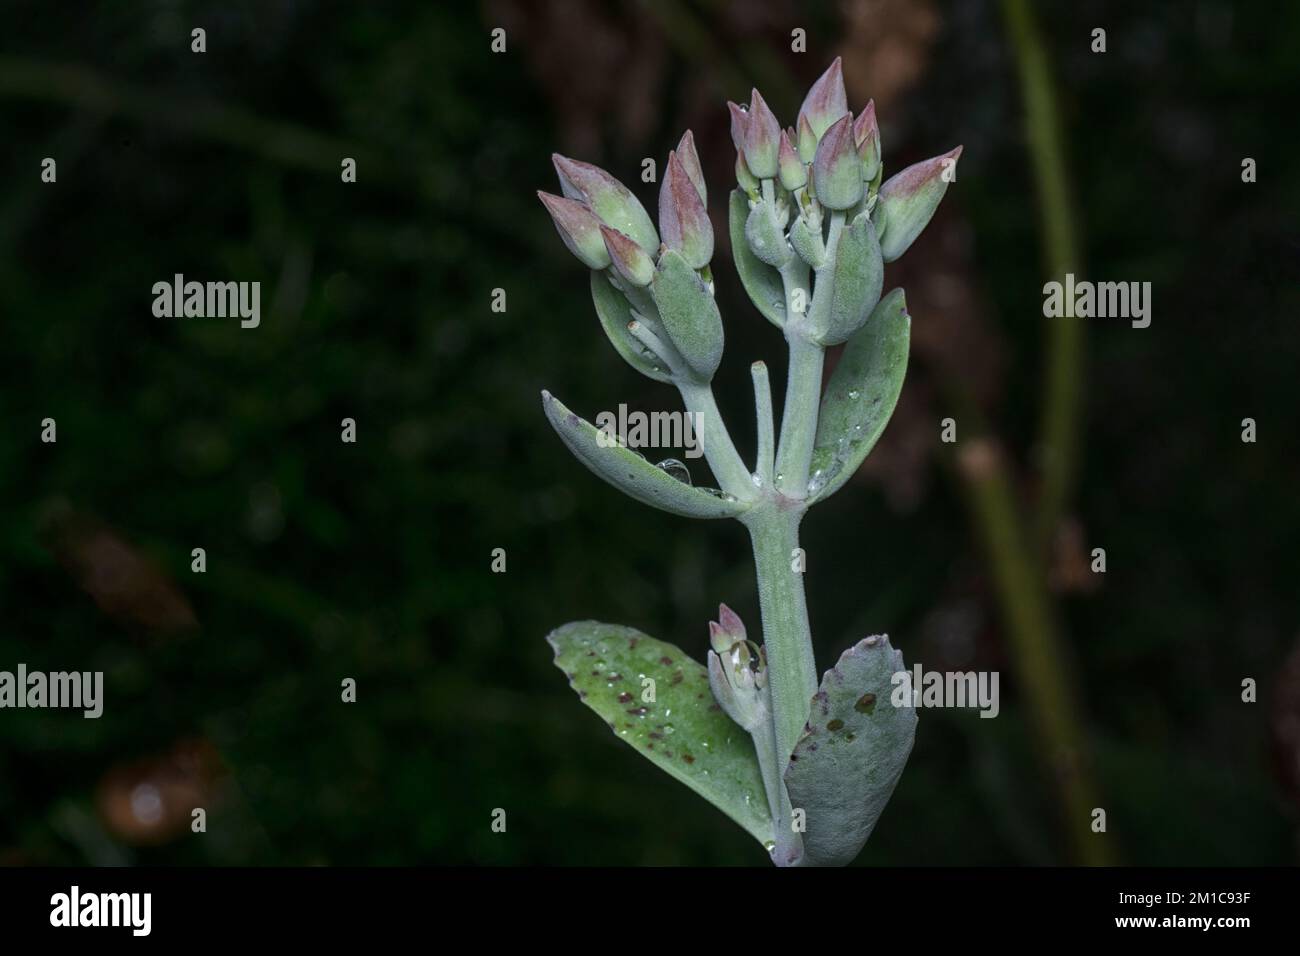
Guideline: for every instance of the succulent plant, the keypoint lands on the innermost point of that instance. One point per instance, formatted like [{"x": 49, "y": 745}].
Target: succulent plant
[{"x": 805, "y": 767}]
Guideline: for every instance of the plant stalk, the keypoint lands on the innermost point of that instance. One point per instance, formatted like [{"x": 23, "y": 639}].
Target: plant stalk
[
  {"x": 1062, "y": 387},
  {"x": 803, "y": 393},
  {"x": 719, "y": 450},
  {"x": 788, "y": 845},
  {"x": 791, "y": 669}
]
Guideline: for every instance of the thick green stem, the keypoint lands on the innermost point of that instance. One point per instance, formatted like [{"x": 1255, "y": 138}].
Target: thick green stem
[
  {"x": 803, "y": 393},
  {"x": 803, "y": 387},
  {"x": 733, "y": 477},
  {"x": 792, "y": 671}
]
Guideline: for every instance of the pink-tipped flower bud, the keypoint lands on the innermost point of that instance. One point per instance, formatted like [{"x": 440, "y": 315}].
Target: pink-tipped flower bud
[
  {"x": 578, "y": 228},
  {"x": 826, "y": 101},
  {"x": 837, "y": 171},
  {"x": 611, "y": 201},
  {"x": 908, "y": 200},
  {"x": 691, "y": 163},
  {"x": 807, "y": 140},
  {"x": 683, "y": 219},
  {"x": 762, "y": 138},
  {"x": 730, "y": 621},
  {"x": 628, "y": 258},
  {"x": 866, "y": 134},
  {"x": 739, "y": 123},
  {"x": 794, "y": 173}
]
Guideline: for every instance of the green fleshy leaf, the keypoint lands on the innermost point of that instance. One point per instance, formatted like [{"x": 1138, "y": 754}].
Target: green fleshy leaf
[
  {"x": 856, "y": 280},
  {"x": 630, "y": 473},
  {"x": 683, "y": 731},
  {"x": 765, "y": 236},
  {"x": 689, "y": 314},
  {"x": 761, "y": 281},
  {"x": 845, "y": 767},
  {"x": 615, "y": 312},
  {"x": 861, "y": 396}
]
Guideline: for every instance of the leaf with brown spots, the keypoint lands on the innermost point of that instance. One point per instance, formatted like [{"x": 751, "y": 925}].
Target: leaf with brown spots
[
  {"x": 681, "y": 730},
  {"x": 845, "y": 767}
]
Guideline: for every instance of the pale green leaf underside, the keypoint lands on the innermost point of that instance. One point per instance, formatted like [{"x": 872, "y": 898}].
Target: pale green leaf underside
[
  {"x": 682, "y": 731},
  {"x": 861, "y": 396},
  {"x": 854, "y": 748},
  {"x": 614, "y": 312},
  {"x": 761, "y": 281},
  {"x": 629, "y": 472}
]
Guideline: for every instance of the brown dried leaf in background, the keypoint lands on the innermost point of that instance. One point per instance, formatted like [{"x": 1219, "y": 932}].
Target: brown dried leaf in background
[
  {"x": 599, "y": 66},
  {"x": 1071, "y": 568},
  {"x": 151, "y": 801},
  {"x": 125, "y": 584},
  {"x": 886, "y": 48}
]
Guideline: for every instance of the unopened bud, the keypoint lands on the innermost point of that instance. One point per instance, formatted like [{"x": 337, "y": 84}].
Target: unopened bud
[
  {"x": 628, "y": 258},
  {"x": 837, "y": 171},
  {"x": 793, "y": 172},
  {"x": 826, "y": 101},
  {"x": 682, "y": 217},
  {"x": 908, "y": 200},
  {"x": 762, "y": 138},
  {"x": 611, "y": 201},
  {"x": 578, "y": 228}
]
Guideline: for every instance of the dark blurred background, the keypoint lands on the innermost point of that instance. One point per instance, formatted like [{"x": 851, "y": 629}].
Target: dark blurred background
[{"x": 372, "y": 560}]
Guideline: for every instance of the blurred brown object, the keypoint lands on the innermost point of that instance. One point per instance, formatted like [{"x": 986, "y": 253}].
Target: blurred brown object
[
  {"x": 955, "y": 349},
  {"x": 1071, "y": 568},
  {"x": 151, "y": 801},
  {"x": 125, "y": 584},
  {"x": 1286, "y": 726},
  {"x": 596, "y": 62},
  {"x": 886, "y": 48}
]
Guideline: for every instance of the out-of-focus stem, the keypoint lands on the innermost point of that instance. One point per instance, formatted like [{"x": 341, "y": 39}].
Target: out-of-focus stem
[
  {"x": 1059, "y": 429},
  {"x": 1039, "y": 651}
]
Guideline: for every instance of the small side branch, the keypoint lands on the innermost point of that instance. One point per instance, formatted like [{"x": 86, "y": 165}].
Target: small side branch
[{"x": 765, "y": 461}]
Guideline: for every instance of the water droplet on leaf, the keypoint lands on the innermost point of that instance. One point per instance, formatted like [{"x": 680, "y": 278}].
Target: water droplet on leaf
[{"x": 675, "y": 468}]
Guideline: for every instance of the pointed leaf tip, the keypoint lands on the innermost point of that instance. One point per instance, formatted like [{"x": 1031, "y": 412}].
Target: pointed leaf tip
[
  {"x": 665, "y": 730},
  {"x": 605, "y": 456}
]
